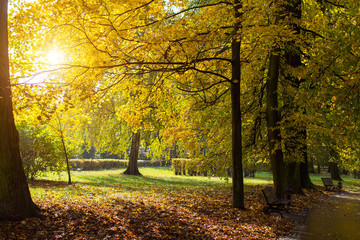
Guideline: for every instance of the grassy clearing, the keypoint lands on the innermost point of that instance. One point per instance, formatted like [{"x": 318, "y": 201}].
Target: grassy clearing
[
  {"x": 163, "y": 177},
  {"x": 100, "y": 186}
]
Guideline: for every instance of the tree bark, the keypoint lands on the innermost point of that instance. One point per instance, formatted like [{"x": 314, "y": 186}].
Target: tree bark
[
  {"x": 293, "y": 177},
  {"x": 237, "y": 176},
  {"x": 15, "y": 198},
  {"x": 333, "y": 166},
  {"x": 335, "y": 171},
  {"x": 273, "y": 125},
  {"x": 296, "y": 144},
  {"x": 304, "y": 166},
  {"x": 132, "y": 168},
  {"x": 64, "y": 149}
]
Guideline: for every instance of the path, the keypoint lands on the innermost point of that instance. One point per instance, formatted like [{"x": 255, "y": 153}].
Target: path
[{"x": 335, "y": 218}]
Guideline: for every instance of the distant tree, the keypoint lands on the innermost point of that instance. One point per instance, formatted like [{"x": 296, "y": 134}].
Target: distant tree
[{"x": 132, "y": 168}]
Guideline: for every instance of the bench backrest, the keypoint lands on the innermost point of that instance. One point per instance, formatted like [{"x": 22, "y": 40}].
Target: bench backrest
[
  {"x": 269, "y": 194},
  {"x": 327, "y": 181}
]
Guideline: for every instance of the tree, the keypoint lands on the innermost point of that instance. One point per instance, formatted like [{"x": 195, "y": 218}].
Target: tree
[
  {"x": 295, "y": 143},
  {"x": 331, "y": 68},
  {"x": 15, "y": 199},
  {"x": 60, "y": 131},
  {"x": 237, "y": 157},
  {"x": 132, "y": 168},
  {"x": 273, "y": 124},
  {"x": 273, "y": 117}
]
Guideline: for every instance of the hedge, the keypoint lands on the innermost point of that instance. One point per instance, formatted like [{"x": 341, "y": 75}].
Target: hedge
[
  {"x": 185, "y": 166},
  {"x": 179, "y": 165},
  {"x": 99, "y": 164}
]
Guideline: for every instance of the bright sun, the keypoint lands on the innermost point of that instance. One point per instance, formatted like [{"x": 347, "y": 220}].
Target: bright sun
[{"x": 55, "y": 57}]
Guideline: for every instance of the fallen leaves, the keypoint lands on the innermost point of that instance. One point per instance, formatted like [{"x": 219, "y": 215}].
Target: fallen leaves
[{"x": 83, "y": 211}]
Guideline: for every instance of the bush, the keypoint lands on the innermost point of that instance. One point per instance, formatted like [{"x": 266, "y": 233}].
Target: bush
[
  {"x": 100, "y": 164},
  {"x": 39, "y": 152},
  {"x": 192, "y": 167},
  {"x": 179, "y": 165}
]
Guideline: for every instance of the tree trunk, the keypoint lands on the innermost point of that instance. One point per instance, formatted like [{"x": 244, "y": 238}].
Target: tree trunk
[
  {"x": 273, "y": 125},
  {"x": 132, "y": 168},
  {"x": 335, "y": 171},
  {"x": 15, "y": 198},
  {"x": 64, "y": 149},
  {"x": 311, "y": 165},
  {"x": 66, "y": 158},
  {"x": 298, "y": 133},
  {"x": 304, "y": 169},
  {"x": 333, "y": 166},
  {"x": 293, "y": 177},
  {"x": 237, "y": 176}
]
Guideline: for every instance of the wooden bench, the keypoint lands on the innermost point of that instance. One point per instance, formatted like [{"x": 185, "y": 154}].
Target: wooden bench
[
  {"x": 274, "y": 204},
  {"x": 329, "y": 185}
]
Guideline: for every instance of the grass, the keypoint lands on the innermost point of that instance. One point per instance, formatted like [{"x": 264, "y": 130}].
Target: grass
[
  {"x": 163, "y": 177},
  {"x": 101, "y": 185},
  {"x": 349, "y": 183},
  {"x": 160, "y": 182}
]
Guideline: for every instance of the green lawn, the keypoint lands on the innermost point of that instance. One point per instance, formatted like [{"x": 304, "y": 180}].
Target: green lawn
[{"x": 165, "y": 177}]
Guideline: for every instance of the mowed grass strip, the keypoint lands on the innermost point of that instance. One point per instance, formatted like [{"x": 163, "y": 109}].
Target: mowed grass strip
[{"x": 159, "y": 180}]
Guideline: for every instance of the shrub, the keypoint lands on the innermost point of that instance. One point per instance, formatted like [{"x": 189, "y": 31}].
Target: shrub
[
  {"x": 39, "y": 152},
  {"x": 100, "y": 164},
  {"x": 192, "y": 167},
  {"x": 179, "y": 165}
]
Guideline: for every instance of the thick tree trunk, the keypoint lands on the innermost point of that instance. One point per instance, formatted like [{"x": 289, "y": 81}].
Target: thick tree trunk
[
  {"x": 293, "y": 177},
  {"x": 311, "y": 166},
  {"x": 304, "y": 168},
  {"x": 273, "y": 125},
  {"x": 333, "y": 166},
  {"x": 297, "y": 141},
  {"x": 335, "y": 171},
  {"x": 237, "y": 176},
  {"x": 15, "y": 199},
  {"x": 132, "y": 168}
]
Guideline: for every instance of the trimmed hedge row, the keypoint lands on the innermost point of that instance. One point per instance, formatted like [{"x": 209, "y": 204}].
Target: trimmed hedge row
[
  {"x": 185, "y": 166},
  {"x": 179, "y": 165},
  {"x": 99, "y": 164}
]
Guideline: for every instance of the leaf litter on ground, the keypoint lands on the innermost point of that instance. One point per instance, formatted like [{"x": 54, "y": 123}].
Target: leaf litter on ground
[{"x": 97, "y": 211}]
